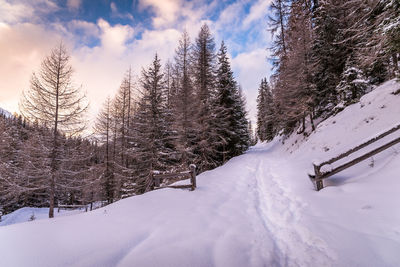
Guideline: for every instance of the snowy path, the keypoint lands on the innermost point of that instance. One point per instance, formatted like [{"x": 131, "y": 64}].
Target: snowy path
[
  {"x": 255, "y": 220},
  {"x": 280, "y": 210},
  {"x": 258, "y": 209},
  {"x": 240, "y": 215}
]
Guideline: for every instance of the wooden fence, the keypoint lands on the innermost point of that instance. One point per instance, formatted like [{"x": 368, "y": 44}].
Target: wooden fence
[
  {"x": 72, "y": 207},
  {"x": 318, "y": 175},
  {"x": 157, "y": 178}
]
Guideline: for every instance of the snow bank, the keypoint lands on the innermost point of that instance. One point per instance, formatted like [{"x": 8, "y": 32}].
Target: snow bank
[
  {"x": 216, "y": 225},
  {"x": 357, "y": 213},
  {"x": 29, "y": 214}
]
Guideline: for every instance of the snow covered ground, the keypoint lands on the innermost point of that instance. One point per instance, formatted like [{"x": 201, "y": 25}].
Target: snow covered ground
[
  {"x": 259, "y": 209},
  {"x": 29, "y": 214},
  {"x": 5, "y": 113}
]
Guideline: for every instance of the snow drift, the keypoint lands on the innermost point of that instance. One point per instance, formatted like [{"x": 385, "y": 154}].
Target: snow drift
[{"x": 259, "y": 209}]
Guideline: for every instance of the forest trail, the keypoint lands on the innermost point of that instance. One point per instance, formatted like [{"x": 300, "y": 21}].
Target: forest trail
[
  {"x": 280, "y": 210},
  {"x": 241, "y": 214},
  {"x": 258, "y": 209}
]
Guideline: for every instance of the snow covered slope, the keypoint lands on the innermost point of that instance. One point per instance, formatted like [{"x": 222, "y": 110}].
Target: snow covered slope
[
  {"x": 259, "y": 209},
  {"x": 5, "y": 113},
  {"x": 27, "y": 214}
]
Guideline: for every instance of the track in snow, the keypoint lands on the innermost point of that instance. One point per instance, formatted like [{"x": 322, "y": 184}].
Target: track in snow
[
  {"x": 241, "y": 214},
  {"x": 280, "y": 212}
]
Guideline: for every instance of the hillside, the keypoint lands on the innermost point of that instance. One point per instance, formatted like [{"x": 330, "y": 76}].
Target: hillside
[
  {"x": 259, "y": 209},
  {"x": 5, "y": 113}
]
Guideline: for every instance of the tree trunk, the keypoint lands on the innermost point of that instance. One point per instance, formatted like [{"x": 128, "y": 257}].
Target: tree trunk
[
  {"x": 395, "y": 63},
  {"x": 312, "y": 121},
  {"x": 54, "y": 153},
  {"x": 282, "y": 27}
]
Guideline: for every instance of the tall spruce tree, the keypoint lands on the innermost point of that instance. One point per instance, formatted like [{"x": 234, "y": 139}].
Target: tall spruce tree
[
  {"x": 184, "y": 101},
  {"x": 232, "y": 125},
  {"x": 266, "y": 117},
  {"x": 329, "y": 53},
  {"x": 242, "y": 133},
  {"x": 204, "y": 65},
  {"x": 151, "y": 134}
]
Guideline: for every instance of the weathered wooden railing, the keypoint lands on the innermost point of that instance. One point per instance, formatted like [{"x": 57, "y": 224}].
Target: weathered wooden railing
[
  {"x": 191, "y": 173},
  {"x": 318, "y": 175},
  {"x": 71, "y": 207}
]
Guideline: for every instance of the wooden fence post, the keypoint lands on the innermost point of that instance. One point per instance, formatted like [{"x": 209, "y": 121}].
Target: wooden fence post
[
  {"x": 192, "y": 169},
  {"x": 318, "y": 181},
  {"x": 157, "y": 181},
  {"x": 152, "y": 181}
]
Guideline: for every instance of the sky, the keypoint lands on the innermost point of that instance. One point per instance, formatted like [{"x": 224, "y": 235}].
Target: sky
[{"x": 105, "y": 38}]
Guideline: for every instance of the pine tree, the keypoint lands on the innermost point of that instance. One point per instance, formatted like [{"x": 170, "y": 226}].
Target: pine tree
[
  {"x": 253, "y": 137},
  {"x": 277, "y": 23},
  {"x": 352, "y": 85},
  {"x": 184, "y": 101},
  {"x": 231, "y": 123},
  {"x": 24, "y": 164},
  {"x": 329, "y": 54},
  {"x": 123, "y": 111},
  {"x": 242, "y": 134},
  {"x": 265, "y": 112},
  {"x": 151, "y": 132},
  {"x": 207, "y": 139},
  {"x": 297, "y": 97},
  {"x": 103, "y": 130},
  {"x": 385, "y": 42}
]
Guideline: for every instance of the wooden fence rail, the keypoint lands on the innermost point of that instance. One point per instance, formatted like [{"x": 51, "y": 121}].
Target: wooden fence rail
[
  {"x": 191, "y": 173},
  {"x": 71, "y": 207},
  {"x": 318, "y": 175}
]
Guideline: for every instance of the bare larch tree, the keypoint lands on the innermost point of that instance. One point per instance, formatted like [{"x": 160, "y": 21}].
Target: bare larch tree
[{"x": 53, "y": 101}]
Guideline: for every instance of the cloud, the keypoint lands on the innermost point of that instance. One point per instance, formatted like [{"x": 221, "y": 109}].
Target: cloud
[
  {"x": 12, "y": 13},
  {"x": 101, "y": 52},
  {"x": 25, "y": 10},
  {"x": 166, "y": 11},
  {"x": 87, "y": 29},
  {"x": 114, "y": 38},
  {"x": 231, "y": 14},
  {"x": 74, "y": 4},
  {"x": 100, "y": 69},
  {"x": 249, "y": 68},
  {"x": 22, "y": 48},
  {"x": 116, "y": 14},
  {"x": 257, "y": 12}
]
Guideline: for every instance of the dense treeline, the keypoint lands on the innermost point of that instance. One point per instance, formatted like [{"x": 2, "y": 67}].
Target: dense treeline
[
  {"x": 191, "y": 111},
  {"x": 25, "y": 166},
  {"x": 326, "y": 55}
]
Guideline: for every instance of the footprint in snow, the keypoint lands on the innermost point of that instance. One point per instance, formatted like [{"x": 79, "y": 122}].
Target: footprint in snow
[{"x": 366, "y": 207}]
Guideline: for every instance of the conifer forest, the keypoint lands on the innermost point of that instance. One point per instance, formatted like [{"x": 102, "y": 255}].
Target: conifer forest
[{"x": 188, "y": 111}]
